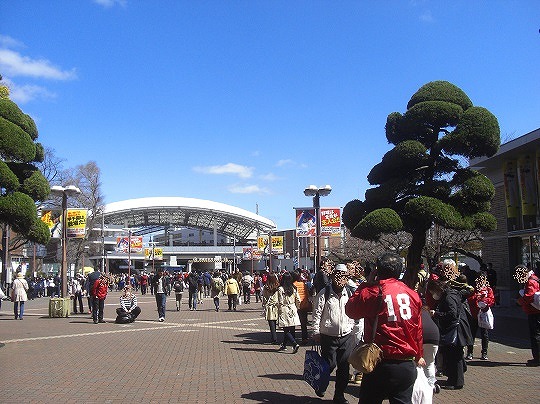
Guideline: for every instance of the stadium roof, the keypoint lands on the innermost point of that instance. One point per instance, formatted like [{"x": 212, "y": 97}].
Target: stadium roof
[{"x": 157, "y": 212}]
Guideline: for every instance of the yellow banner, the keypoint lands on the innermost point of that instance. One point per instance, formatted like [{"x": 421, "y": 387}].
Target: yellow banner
[
  {"x": 277, "y": 244},
  {"x": 157, "y": 253},
  {"x": 76, "y": 223}
]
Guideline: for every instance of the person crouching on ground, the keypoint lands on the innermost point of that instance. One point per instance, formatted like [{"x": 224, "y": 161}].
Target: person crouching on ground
[{"x": 128, "y": 305}]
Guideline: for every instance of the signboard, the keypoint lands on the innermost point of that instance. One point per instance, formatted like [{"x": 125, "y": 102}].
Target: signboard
[
  {"x": 262, "y": 244},
  {"x": 277, "y": 244},
  {"x": 76, "y": 223},
  {"x": 155, "y": 253},
  {"x": 330, "y": 222},
  {"x": 53, "y": 220},
  {"x": 248, "y": 253},
  {"x": 306, "y": 222},
  {"x": 122, "y": 244}
]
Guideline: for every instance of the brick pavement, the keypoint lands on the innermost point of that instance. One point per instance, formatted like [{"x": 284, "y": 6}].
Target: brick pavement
[{"x": 203, "y": 357}]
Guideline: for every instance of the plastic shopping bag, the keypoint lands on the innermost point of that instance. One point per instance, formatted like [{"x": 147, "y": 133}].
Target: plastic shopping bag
[
  {"x": 485, "y": 319},
  {"x": 422, "y": 391}
]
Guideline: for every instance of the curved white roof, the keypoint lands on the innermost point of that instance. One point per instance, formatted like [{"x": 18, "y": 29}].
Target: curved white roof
[{"x": 186, "y": 212}]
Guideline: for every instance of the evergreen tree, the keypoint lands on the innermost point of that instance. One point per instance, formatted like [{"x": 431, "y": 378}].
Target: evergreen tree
[{"x": 425, "y": 178}]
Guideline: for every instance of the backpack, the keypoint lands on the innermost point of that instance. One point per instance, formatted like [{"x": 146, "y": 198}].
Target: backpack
[
  {"x": 216, "y": 286},
  {"x": 178, "y": 286}
]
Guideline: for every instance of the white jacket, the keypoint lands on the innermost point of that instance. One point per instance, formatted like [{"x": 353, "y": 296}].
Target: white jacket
[{"x": 329, "y": 317}]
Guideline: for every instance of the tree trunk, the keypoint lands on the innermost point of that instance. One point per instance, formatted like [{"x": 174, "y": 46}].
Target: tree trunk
[{"x": 414, "y": 256}]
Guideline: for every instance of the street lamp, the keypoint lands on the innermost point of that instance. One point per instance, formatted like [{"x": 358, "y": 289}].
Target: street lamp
[
  {"x": 316, "y": 193},
  {"x": 64, "y": 192}
]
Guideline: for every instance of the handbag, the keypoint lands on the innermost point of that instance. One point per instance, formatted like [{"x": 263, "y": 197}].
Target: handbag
[
  {"x": 450, "y": 337},
  {"x": 316, "y": 369},
  {"x": 366, "y": 356},
  {"x": 485, "y": 319}
]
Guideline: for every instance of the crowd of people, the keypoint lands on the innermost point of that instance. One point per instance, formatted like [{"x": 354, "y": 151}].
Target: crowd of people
[{"x": 429, "y": 326}]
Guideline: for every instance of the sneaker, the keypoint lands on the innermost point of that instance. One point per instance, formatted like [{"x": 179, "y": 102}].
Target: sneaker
[
  {"x": 161, "y": 319},
  {"x": 319, "y": 393},
  {"x": 436, "y": 389},
  {"x": 295, "y": 349},
  {"x": 102, "y": 321},
  {"x": 358, "y": 378},
  {"x": 484, "y": 357},
  {"x": 469, "y": 357},
  {"x": 282, "y": 348}
]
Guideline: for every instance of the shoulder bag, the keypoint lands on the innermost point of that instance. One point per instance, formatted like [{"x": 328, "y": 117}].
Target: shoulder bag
[{"x": 366, "y": 356}]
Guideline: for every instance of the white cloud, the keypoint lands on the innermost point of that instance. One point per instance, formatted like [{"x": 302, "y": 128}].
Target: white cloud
[
  {"x": 284, "y": 162},
  {"x": 14, "y": 64},
  {"x": 247, "y": 189},
  {"x": 269, "y": 177},
  {"x": 229, "y": 168},
  {"x": 28, "y": 92},
  {"x": 111, "y": 3},
  {"x": 9, "y": 42},
  {"x": 427, "y": 17}
]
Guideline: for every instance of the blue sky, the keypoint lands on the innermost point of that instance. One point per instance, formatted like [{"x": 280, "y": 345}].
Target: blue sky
[{"x": 248, "y": 102}]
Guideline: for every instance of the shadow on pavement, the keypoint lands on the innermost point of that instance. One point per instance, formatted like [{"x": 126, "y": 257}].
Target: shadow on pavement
[
  {"x": 285, "y": 376},
  {"x": 275, "y": 397},
  {"x": 489, "y": 364}
]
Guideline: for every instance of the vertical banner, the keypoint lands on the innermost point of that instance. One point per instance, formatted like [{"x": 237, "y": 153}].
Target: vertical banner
[
  {"x": 122, "y": 244},
  {"x": 155, "y": 254},
  {"x": 511, "y": 191},
  {"x": 53, "y": 220},
  {"x": 330, "y": 222},
  {"x": 262, "y": 244},
  {"x": 76, "y": 223},
  {"x": 277, "y": 244},
  {"x": 306, "y": 222},
  {"x": 528, "y": 190}
]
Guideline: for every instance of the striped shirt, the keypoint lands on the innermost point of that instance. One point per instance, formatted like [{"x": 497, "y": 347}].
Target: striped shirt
[{"x": 128, "y": 302}]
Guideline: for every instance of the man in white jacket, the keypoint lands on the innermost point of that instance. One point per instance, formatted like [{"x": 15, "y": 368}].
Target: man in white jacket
[{"x": 333, "y": 329}]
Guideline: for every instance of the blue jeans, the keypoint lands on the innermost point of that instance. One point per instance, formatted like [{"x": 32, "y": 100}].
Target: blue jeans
[
  {"x": 18, "y": 314},
  {"x": 160, "y": 301},
  {"x": 192, "y": 301}
]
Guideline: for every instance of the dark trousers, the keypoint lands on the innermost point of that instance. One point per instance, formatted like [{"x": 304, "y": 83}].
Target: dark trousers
[
  {"x": 534, "y": 334},
  {"x": 392, "y": 380},
  {"x": 231, "y": 301},
  {"x": 454, "y": 365},
  {"x": 216, "y": 302},
  {"x": 336, "y": 351},
  {"x": 134, "y": 313},
  {"x": 77, "y": 298},
  {"x": 303, "y": 314},
  {"x": 161, "y": 298},
  {"x": 288, "y": 335},
  {"x": 98, "y": 306},
  {"x": 273, "y": 335},
  {"x": 484, "y": 336},
  {"x": 143, "y": 289}
]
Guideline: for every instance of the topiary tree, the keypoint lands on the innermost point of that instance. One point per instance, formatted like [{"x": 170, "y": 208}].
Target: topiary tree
[
  {"x": 21, "y": 182},
  {"x": 425, "y": 179}
]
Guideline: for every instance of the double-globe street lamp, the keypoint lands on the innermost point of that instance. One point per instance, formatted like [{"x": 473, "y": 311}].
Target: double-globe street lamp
[
  {"x": 316, "y": 193},
  {"x": 64, "y": 192}
]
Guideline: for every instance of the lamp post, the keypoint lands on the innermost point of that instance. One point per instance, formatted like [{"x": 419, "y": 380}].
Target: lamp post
[
  {"x": 316, "y": 193},
  {"x": 64, "y": 192}
]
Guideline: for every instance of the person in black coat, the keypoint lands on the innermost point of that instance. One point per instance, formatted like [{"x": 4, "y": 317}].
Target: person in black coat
[{"x": 451, "y": 317}]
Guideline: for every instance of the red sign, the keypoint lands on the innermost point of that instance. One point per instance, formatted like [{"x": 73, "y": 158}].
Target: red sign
[{"x": 330, "y": 222}]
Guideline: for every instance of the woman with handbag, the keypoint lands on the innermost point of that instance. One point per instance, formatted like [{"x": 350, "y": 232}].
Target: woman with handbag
[
  {"x": 288, "y": 303},
  {"x": 270, "y": 303},
  {"x": 19, "y": 296},
  {"x": 451, "y": 317},
  {"x": 481, "y": 300}
]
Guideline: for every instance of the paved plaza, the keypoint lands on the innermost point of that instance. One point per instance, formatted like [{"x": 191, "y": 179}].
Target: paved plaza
[{"x": 205, "y": 356}]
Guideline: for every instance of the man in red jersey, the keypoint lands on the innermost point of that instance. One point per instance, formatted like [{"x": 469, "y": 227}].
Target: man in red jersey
[{"x": 399, "y": 331}]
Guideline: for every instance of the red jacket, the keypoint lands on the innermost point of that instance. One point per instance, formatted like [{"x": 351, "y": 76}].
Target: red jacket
[
  {"x": 483, "y": 295},
  {"x": 99, "y": 289},
  {"x": 399, "y": 330},
  {"x": 531, "y": 287}
]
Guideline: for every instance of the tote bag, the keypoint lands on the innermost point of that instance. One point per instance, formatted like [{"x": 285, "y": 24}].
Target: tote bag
[{"x": 316, "y": 370}]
